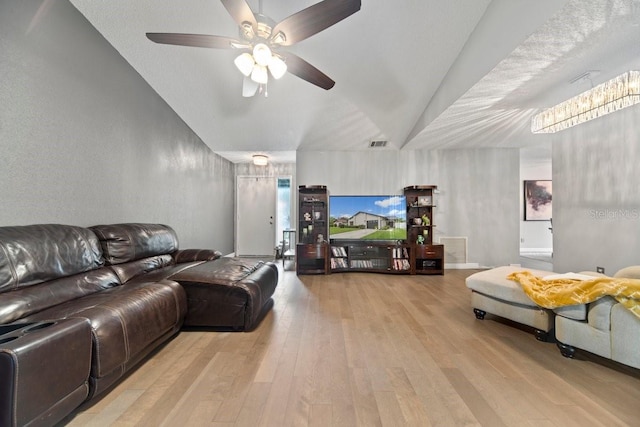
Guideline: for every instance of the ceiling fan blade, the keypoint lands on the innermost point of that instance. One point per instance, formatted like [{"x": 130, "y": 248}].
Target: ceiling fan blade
[
  {"x": 249, "y": 87},
  {"x": 314, "y": 19},
  {"x": 196, "y": 40},
  {"x": 301, "y": 68},
  {"x": 241, "y": 12}
]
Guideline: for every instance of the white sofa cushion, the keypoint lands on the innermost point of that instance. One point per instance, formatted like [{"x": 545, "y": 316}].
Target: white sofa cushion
[
  {"x": 575, "y": 312},
  {"x": 600, "y": 313},
  {"x": 632, "y": 272},
  {"x": 494, "y": 283},
  {"x": 625, "y": 336},
  {"x": 578, "y": 311}
]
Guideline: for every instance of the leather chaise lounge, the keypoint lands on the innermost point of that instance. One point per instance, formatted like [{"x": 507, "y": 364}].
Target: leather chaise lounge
[
  {"x": 222, "y": 292},
  {"x": 81, "y": 307}
]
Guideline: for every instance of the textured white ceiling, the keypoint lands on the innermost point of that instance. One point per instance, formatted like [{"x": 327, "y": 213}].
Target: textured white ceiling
[{"x": 418, "y": 73}]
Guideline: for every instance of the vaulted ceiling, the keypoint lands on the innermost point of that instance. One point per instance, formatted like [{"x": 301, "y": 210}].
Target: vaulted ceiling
[{"x": 419, "y": 74}]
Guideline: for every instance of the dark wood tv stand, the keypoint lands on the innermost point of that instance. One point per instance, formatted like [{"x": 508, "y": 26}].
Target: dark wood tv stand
[
  {"x": 414, "y": 254},
  {"x": 385, "y": 257}
]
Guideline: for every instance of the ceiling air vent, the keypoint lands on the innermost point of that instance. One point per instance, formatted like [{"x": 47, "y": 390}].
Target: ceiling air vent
[{"x": 375, "y": 144}]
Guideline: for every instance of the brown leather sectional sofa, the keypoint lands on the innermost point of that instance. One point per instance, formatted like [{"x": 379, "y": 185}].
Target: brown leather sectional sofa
[{"x": 80, "y": 307}]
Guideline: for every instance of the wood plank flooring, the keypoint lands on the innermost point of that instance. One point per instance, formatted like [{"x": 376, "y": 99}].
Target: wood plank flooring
[{"x": 359, "y": 349}]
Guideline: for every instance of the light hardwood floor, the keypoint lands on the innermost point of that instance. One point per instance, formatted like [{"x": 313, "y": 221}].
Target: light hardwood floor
[{"x": 365, "y": 349}]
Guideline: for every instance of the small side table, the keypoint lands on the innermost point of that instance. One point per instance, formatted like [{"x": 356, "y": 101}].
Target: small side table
[{"x": 288, "y": 245}]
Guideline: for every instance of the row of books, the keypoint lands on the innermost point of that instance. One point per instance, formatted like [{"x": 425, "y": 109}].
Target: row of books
[
  {"x": 368, "y": 263},
  {"x": 338, "y": 251},
  {"x": 401, "y": 264},
  {"x": 338, "y": 263},
  {"x": 400, "y": 253},
  {"x": 341, "y": 263}
]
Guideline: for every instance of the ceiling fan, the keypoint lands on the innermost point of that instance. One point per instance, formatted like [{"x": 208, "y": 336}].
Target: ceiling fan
[{"x": 261, "y": 40}]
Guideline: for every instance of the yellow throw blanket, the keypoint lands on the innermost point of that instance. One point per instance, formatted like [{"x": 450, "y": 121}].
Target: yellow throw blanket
[{"x": 560, "y": 292}]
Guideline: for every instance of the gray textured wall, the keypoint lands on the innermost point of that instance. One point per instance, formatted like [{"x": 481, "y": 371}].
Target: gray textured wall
[
  {"x": 479, "y": 190},
  {"x": 85, "y": 140},
  {"x": 596, "y": 194}
]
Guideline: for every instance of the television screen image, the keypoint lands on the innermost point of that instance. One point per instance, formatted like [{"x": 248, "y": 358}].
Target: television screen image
[{"x": 367, "y": 217}]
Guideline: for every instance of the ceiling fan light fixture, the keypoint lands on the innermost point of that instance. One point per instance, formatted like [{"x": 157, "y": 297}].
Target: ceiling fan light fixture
[
  {"x": 277, "y": 67},
  {"x": 279, "y": 38},
  {"x": 258, "y": 34},
  {"x": 259, "y": 74},
  {"x": 245, "y": 63},
  {"x": 262, "y": 54},
  {"x": 246, "y": 31},
  {"x": 260, "y": 160}
]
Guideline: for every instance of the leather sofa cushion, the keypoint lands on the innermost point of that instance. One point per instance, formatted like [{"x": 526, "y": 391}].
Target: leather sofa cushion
[
  {"x": 193, "y": 255},
  {"x": 129, "y": 242},
  {"x": 23, "y": 302},
  {"x": 125, "y": 320},
  {"x": 129, "y": 270},
  {"x": 33, "y": 254},
  {"x": 228, "y": 292}
]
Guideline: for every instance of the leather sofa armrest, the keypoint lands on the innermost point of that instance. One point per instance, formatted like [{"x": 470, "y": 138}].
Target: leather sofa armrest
[
  {"x": 45, "y": 368},
  {"x": 192, "y": 255}
]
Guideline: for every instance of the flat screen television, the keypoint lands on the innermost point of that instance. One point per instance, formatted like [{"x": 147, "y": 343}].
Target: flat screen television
[{"x": 381, "y": 218}]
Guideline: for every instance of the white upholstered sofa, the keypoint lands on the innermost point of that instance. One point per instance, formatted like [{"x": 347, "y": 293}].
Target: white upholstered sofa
[{"x": 603, "y": 327}]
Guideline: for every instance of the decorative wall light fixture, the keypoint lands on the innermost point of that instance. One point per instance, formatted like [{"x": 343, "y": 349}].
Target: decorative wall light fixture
[
  {"x": 260, "y": 160},
  {"x": 616, "y": 94}
]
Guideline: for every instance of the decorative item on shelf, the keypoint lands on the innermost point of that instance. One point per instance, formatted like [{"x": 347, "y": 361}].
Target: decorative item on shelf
[
  {"x": 425, "y": 232},
  {"x": 415, "y": 202},
  {"x": 307, "y": 216},
  {"x": 424, "y": 201},
  {"x": 317, "y": 215},
  {"x": 417, "y": 221},
  {"x": 320, "y": 238},
  {"x": 425, "y": 220},
  {"x": 420, "y": 240}
]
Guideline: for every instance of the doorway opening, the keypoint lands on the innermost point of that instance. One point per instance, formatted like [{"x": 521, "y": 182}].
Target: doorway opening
[{"x": 283, "y": 212}]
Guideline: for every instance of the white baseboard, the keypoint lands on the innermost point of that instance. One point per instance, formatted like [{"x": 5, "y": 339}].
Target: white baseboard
[
  {"x": 462, "y": 266},
  {"x": 537, "y": 250}
]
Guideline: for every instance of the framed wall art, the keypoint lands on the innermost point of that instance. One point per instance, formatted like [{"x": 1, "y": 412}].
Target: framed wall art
[{"x": 537, "y": 200}]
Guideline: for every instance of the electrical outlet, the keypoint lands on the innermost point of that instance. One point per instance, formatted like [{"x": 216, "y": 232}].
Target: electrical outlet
[{"x": 600, "y": 270}]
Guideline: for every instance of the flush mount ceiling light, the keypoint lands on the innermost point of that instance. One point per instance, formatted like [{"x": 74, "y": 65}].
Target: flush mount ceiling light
[
  {"x": 616, "y": 94},
  {"x": 264, "y": 40},
  {"x": 260, "y": 160}
]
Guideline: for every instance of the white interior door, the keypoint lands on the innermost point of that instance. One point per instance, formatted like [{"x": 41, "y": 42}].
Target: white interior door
[{"x": 255, "y": 215}]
